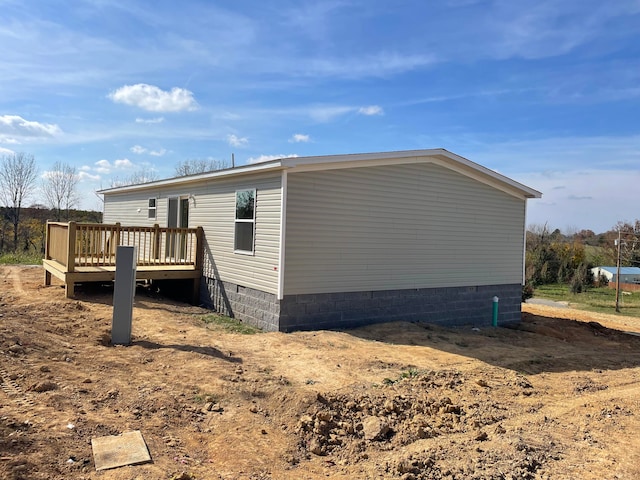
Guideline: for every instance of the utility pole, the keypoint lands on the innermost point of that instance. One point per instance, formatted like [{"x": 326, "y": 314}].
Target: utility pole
[{"x": 618, "y": 242}]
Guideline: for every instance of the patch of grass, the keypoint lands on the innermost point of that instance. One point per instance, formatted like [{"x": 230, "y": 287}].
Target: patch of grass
[
  {"x": 20, "y": 259},
  {"x": 206, "y": 397},
  {"x": 230, "y": 325},
  {"x": 412, "y": 372},
  {"x": 601, "y": 300}
]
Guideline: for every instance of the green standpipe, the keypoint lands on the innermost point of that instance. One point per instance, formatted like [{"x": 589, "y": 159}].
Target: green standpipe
[{"x": 495, "y": 311}]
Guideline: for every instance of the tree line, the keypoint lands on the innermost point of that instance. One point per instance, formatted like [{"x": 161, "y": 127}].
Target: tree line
[
  {"x": 554, "y": 257},
  {"x": 22, "y": 229}
]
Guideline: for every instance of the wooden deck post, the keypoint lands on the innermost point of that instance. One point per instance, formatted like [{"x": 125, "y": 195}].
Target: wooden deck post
[
  {"x": 71, "y": 259},
  {"x": 198, "y": 265},
  {"x": 156, "y": 241},
  {"x": 117, "y": 238},
  {"x": 47, "y": 274}
]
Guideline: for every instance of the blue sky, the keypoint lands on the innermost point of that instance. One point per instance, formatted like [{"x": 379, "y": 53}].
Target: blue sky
[{"x": 545, "y": 92}]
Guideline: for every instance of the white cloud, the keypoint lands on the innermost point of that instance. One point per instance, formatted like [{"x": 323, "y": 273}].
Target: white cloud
[
  {"x": 326, "y": 113},
  {"x": 266, "y": 158},
  {"x": 83, "y": 175},
  {"x": 123, "y": 163},
  {"x": 6, "y": 151},
  {"x": 14, "y": 128},
  {"x": 154, "y": 99},
  {"x": 299, "y": 138},
  {"x": 150, "y": 120},
  {"x": 103, "y": 166},
  {"x": 158, "y": 153},
  {"x": 371, "y": 110},
  {"x": 85, "y": 168},
  {"x": 137, "y": 149},
  {"x": 236, "y": 141}
]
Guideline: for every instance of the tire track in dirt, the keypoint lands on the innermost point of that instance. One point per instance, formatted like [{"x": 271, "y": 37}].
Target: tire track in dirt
[
  {"x": 13, "y": 390},
  {"x": 14, "y": 276}
]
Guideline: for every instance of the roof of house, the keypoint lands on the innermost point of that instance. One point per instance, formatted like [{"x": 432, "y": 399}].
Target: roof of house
[
  {"x": 623, "y": 270},
  {"x": 438, "y": 156}
]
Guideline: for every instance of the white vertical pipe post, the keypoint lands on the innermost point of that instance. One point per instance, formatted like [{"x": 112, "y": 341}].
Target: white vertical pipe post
[{"x": 123, "y": 292}]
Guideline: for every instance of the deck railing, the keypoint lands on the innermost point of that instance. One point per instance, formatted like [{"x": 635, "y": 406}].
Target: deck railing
[{"x": 94, "y": 244}]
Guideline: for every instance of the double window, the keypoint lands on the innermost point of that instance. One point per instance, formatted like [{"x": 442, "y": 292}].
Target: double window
[{"x": 245, "y": 221}]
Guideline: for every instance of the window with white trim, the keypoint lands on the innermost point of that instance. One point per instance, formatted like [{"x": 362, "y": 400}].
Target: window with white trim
[
  {"x": 245, "y": 221},
  {"x": 151, "y": 215}
]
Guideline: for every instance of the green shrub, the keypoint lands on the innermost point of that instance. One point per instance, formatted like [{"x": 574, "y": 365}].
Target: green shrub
[{"x": 527, "y": 291}]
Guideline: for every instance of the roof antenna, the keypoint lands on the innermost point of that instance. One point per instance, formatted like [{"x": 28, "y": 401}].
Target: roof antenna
[{"x": 233, "y": 160}]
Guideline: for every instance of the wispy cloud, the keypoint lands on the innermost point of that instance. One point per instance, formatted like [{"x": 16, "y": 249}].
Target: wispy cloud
[
  {"x": 371, "y": 110},
  {"x": 14, "y": 129},
  {"x": 299, "y": 138},
  {"x": 102, "y": 166},
  {"x": 379, "y": 65},
  {"x": 236, "y": 141},
  {"x": 585, "y": 198},
  {"x": 150, "y": 120},
  {"x": 83, "y": 175},
  {"x": 154, "y": 99},
  {"x": 6, "y": 151},
  {"x": 123, "y": 163},
  {"x": 327, "y": 113},
  {"x": 105, "y": 166},
  {"x": 138, "y": 150},
  {"x": 158, "y": 153}
]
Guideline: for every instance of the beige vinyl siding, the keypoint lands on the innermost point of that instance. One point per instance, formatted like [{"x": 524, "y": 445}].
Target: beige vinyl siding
[
  {"x": 399, "y": 227},
  {"x": 216, "y": 213},
  {"x": 123, "y": 208},
  {"x": 212, "y": 206}
]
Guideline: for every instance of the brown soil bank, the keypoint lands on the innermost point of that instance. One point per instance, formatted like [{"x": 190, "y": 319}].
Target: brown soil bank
[{"x": 556, "y": 398}]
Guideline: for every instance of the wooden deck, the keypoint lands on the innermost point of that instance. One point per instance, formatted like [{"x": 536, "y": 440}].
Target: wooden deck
[{"x": 86, "y": 252}]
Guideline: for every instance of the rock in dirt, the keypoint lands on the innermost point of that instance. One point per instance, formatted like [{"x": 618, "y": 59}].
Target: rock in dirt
[
  {"x": 16, "y": 349},
  {"x": 374, "y": 428},
  {"x": 44, "y": 386},
  {"x": 316, "y": 447},
  {"x": 182, "y": 476}
]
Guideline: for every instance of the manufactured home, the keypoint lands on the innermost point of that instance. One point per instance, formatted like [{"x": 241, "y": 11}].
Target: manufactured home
[{"x": 346, "y": 240}]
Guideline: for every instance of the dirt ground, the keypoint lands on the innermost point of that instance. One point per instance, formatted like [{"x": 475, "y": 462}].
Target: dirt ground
[{"x": 556, "y": 398}]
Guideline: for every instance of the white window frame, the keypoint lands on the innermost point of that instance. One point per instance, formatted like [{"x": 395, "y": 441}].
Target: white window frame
[
  {"x": 154, "y": 209},
  {"x": 244, "y": 220}
]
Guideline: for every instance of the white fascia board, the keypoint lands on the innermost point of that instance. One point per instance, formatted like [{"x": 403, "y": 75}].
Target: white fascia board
[{"x": 243, "y": 170}]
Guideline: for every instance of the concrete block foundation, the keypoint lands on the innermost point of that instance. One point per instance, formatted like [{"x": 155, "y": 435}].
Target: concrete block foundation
[{"x": 451, "y": 306}]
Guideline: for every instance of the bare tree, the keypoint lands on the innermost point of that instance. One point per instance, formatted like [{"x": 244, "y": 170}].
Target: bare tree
[
  {"x": 59, "y": 188},
  {"x": 17, "y": 180},
  {"x": 144, "y": 175},
  {"x": 194, "y": 166}
]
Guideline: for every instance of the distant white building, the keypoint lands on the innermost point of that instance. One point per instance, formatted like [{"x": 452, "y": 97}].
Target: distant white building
[{"x": 627, "y": 274}]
